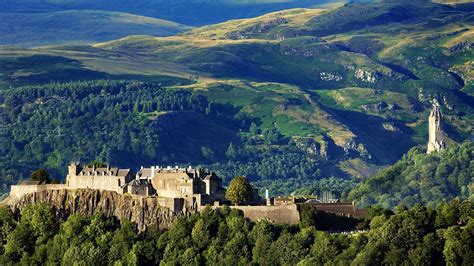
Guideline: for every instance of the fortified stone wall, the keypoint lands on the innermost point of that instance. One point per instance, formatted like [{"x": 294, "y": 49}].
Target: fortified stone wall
[
  {"x": 97, "y": 182},
  {"x": 18, "y": 191},
  {"x": 341, "y": 208},
  {"x": 288, "y": 214},
  {"x": 173, "y": 185}
]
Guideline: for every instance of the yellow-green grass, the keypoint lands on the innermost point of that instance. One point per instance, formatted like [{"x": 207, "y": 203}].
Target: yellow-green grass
[
  {"x": 296, "y": 19},
  {"x": 355, "y": 98},
  {"x": 276, "y": 105}
]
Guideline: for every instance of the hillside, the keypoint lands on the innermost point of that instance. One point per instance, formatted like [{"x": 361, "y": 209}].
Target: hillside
[
  {"x": 312, "y": 93},
  {"x": 419, "y": 178},
  {"x": 132, "y": 123},
  {"x": 78, "y": 26},
  {"x": 188, "y": 12}
]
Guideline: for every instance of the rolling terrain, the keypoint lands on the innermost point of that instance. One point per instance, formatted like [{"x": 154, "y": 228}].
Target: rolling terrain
[
  {"x": 78, "y": 26},
  {"x": 343, "y": 91},
  {"x": 188, "y": 12}
]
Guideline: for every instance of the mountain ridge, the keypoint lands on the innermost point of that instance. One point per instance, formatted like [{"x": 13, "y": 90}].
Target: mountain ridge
[
  {"x": 344, "y": 104},
  {"x": 78, "y": 26}
]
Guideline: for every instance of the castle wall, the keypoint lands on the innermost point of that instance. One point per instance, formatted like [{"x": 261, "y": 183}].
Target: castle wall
[
  {"x": 174, "y": 204},
  {"x": 277, "y": 214},
  {"x": 340, "y": 208},
  {"x": 173, "y": 185},
  {"x": 138, "y": 190},
  {"x": 110, "y": 183},
  {"x": 18, "y": 191}
]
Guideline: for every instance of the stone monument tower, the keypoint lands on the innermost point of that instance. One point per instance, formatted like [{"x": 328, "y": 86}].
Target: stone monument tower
[{"x": 435, "y": 129}]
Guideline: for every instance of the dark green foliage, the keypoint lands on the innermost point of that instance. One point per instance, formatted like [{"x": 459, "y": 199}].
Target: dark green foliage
[
  {"x": 224, "y": 237},
  {"x": 327, "y": 221},
  {"x": 96, "y": 164},
  {"x": 128, "y": 124},
  {"x": 106, "y": 121},
  {"x": 40, "y": 175},
  {"x": 46, "y": 69},
  {"x": 421, "y": 178}
]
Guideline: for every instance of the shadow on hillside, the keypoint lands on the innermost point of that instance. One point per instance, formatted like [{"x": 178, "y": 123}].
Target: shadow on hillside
[{"x": 385, "y": 146}]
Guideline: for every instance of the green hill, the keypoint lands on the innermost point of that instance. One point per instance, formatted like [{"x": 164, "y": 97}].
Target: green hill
[
  {"x": 421, "y": 178},
  {"x": 318, "y": 93},
  {"x": 189, "y": 12},
  {"x": 78, "y": 26},
  {"x": 135, "y": 123}
]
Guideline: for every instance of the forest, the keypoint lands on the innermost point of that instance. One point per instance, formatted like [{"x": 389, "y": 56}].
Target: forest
[
  {"x": 416, "y": 236},
  {"x": 129, "y": 124},
  {"x": 419, "y": 178}
]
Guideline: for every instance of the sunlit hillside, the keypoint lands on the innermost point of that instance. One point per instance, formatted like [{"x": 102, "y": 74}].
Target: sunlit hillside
[{"x": 349, "y": 87}]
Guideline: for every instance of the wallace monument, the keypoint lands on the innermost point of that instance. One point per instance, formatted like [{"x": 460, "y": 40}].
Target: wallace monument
[{"x": 436, "y": 140}]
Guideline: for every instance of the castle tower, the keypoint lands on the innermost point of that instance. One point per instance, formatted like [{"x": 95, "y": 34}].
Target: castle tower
[{"x": 435, "y": 130}]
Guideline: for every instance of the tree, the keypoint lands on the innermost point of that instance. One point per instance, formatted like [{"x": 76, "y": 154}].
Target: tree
[
  {"x": 96, "y": 164},
  {"x": 239, "y": 190},
  {"x": 200, "y": 234},
  {"x": 458, "y": 245},
  {"x": 253, "y": 129},
  {"x": 231, "y": 152},
  {"x": 207, "y": 153},
  {"x": 40, "y": 175}
]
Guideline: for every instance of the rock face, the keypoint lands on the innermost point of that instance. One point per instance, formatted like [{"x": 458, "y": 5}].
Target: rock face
[
  {"x": 367, "y": 76},
  {"x": 144, "y": 212}
]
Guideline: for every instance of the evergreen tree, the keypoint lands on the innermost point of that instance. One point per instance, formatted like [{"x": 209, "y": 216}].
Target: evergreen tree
[{"x": 231, "y": 152}]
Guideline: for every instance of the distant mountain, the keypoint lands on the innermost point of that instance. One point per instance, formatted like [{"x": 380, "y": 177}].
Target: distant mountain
[
  {"x": 189, "y": 12},
  {"x": 78, "y": 26}
]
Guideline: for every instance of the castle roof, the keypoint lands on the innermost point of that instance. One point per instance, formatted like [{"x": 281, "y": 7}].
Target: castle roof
[
  {"x": 138, "y": 183},
  {"x": 104, "y": 171},
  {"x": 146, "y": 173},
  {"x": 31, "y": 182}
]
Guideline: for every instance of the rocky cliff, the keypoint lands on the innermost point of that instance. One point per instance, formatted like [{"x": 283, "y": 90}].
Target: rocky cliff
[{"x": 143, "y": 212}]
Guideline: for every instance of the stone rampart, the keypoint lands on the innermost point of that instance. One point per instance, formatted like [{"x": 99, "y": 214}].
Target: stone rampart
[
  {"x": 340, "y": 208},
  {"x": 18, "y": 191},
  {"x": 287, "y": 214}
]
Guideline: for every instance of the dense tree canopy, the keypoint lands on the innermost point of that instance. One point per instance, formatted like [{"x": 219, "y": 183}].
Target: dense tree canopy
[
  {"x": 239, "y": 190},
  {"x": 129, "y": 124},
  {"x": 421, "y": 178},
  {"x": 40, "y": 175},
  {"x": 417, "y": 236}
]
